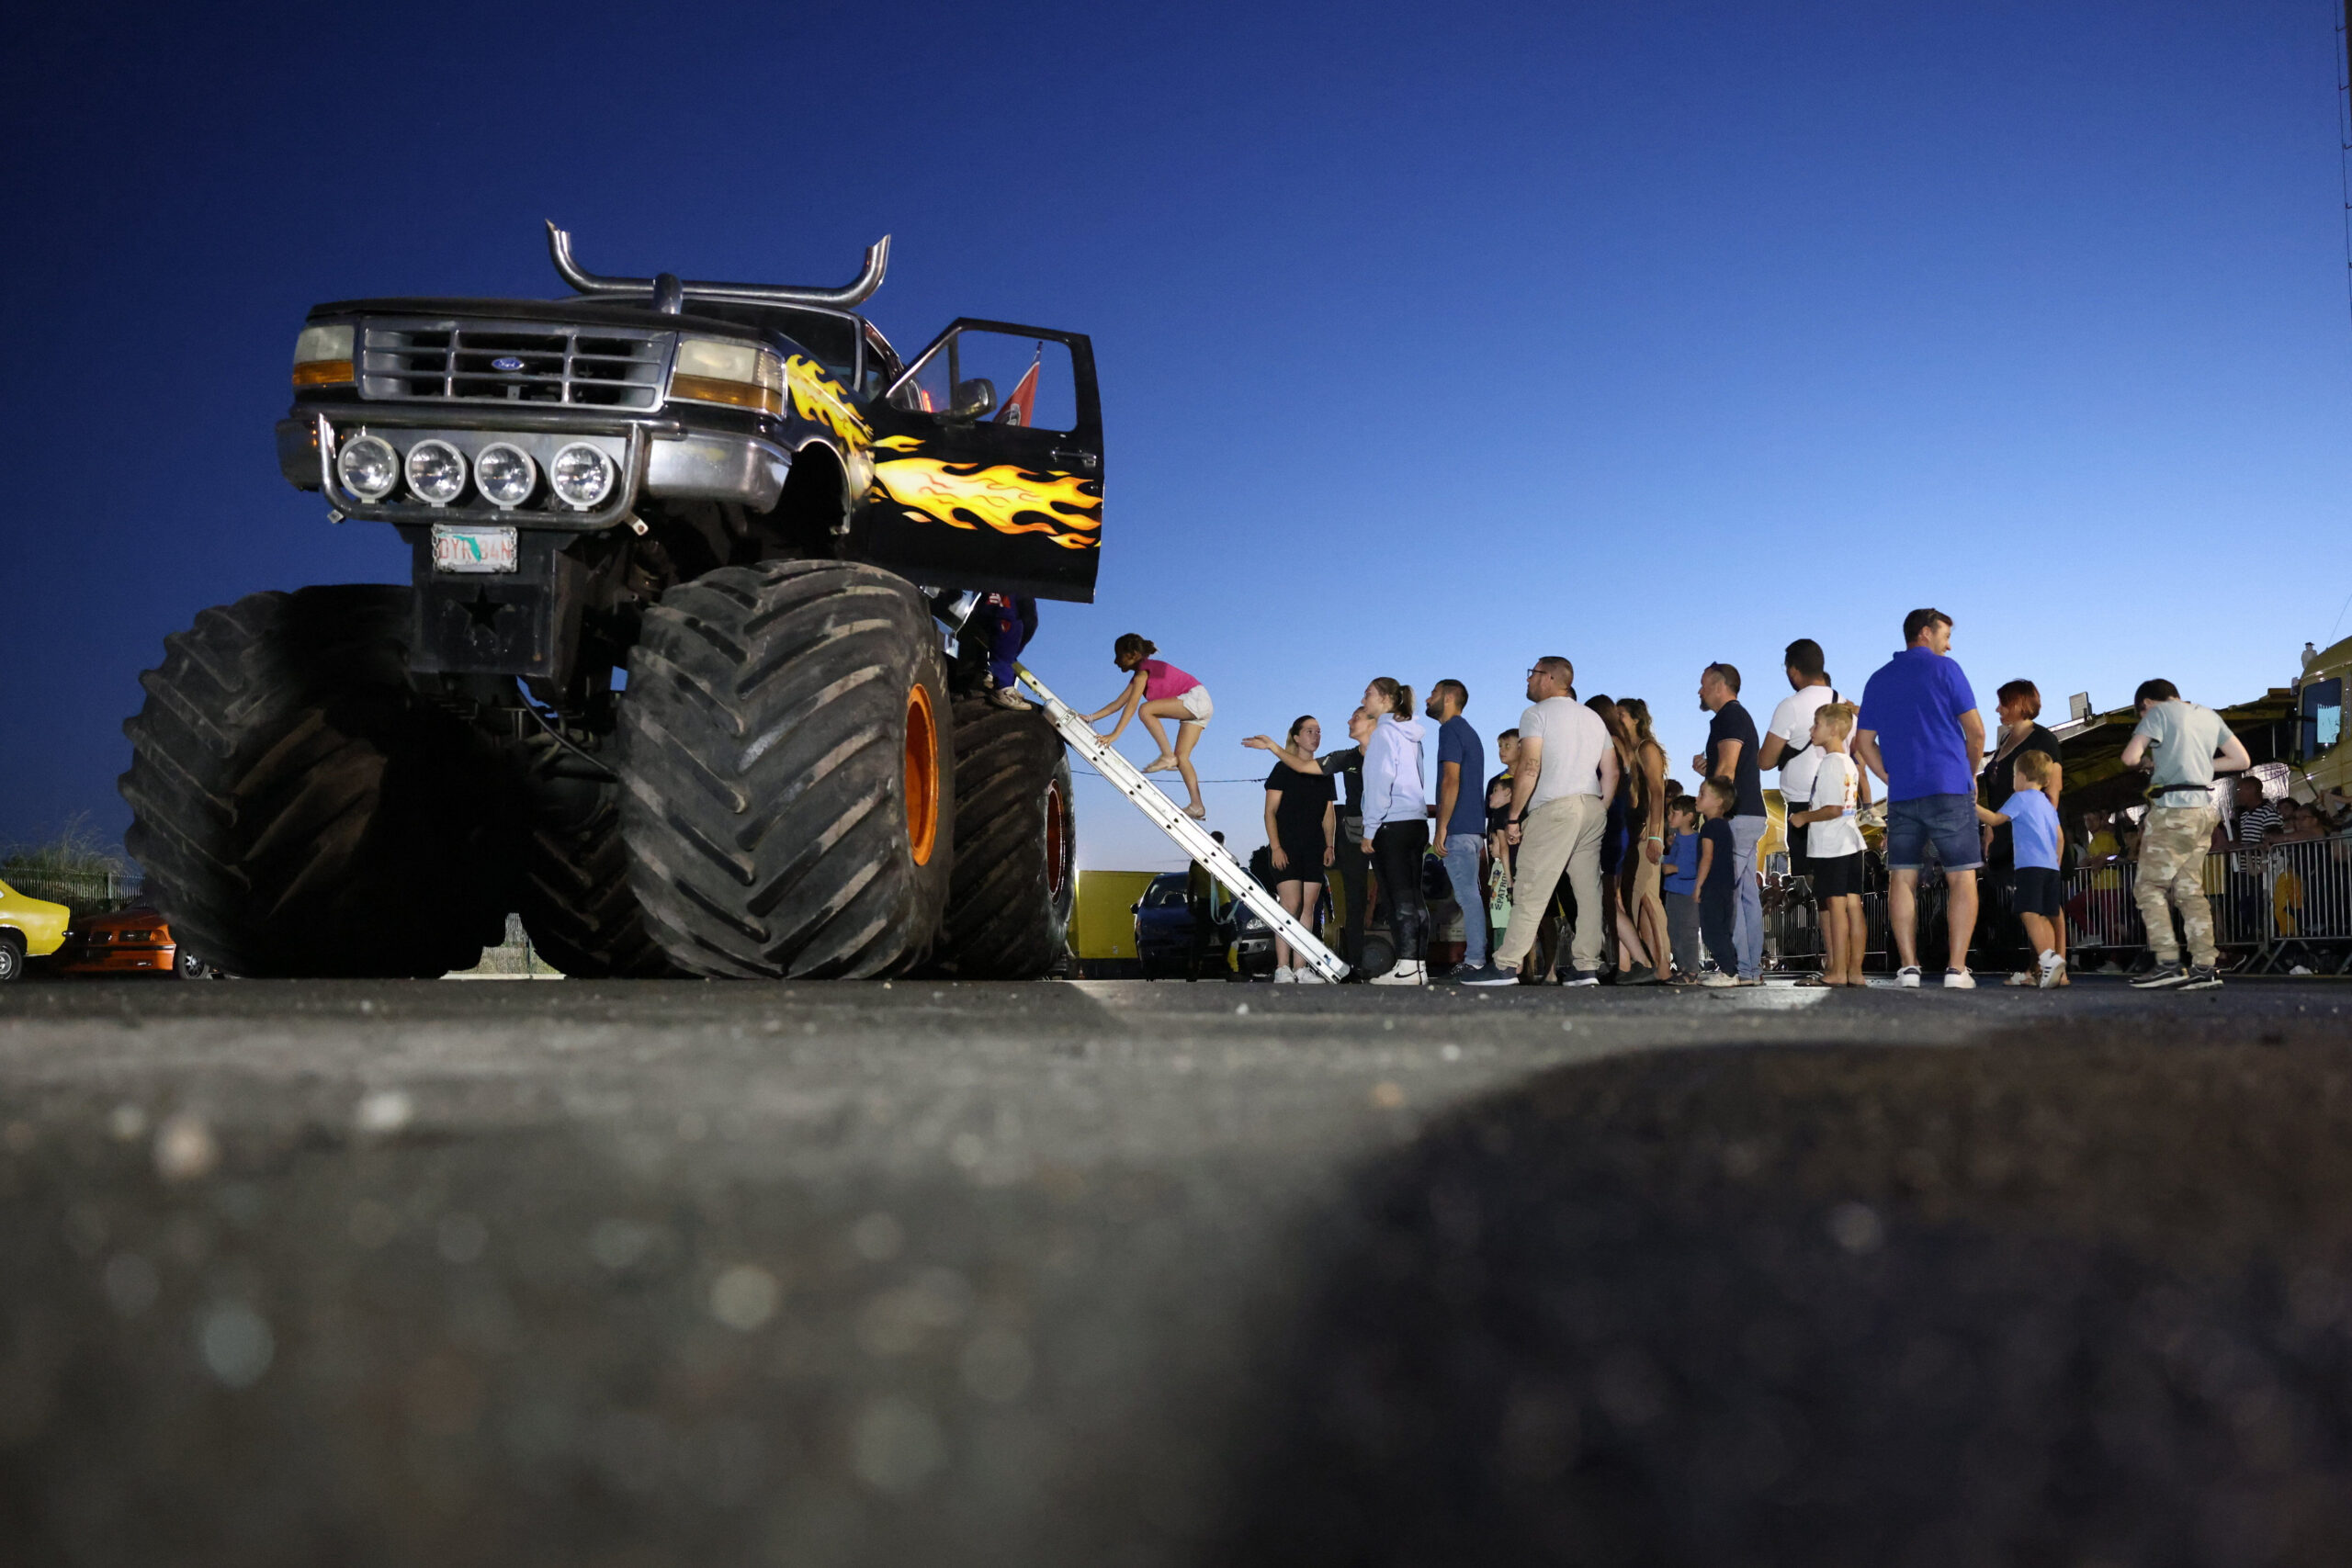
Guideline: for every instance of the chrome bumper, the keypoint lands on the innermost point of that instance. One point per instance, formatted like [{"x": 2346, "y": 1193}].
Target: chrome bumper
[{"x": 659, "y": 458}]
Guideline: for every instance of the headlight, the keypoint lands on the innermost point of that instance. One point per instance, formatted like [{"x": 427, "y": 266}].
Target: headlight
[
  {"x": 742, "y": 375},
  {"x": 582, "y": 476},
  {"x": 368, "y": 467},
  {"x": 322, "y": 356},
  {"x": 436, "y": 471},
  {"x": 504, "y": 473}
]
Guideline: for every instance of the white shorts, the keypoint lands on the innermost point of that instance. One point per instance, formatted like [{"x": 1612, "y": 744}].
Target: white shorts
[{"x": 1196, "y": 702}]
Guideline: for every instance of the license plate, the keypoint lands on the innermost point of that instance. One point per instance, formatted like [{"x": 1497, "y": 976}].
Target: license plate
[{"x": 472, "y": 549}]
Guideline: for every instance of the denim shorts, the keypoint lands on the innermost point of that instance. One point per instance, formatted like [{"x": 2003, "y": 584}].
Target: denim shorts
[{"x": 1947, "y": 822}]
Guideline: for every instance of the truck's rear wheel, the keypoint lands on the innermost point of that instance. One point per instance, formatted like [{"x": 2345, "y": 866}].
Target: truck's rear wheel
[
  {"x": 1010, "y": 895},
  {"x": 789, "y": 804},
  {"x": 578, "y": 907},
  {"x": 299, "y": 809}
]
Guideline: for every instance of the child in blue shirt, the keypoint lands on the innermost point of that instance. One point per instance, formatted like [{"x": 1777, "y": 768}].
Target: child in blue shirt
[
  {"x": 1681, "y": 883},
  {"x": 1718, "y": 880},
  {"x": 2033, "y": 828}
]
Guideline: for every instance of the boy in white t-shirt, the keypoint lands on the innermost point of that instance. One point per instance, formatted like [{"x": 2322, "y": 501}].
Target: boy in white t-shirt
[{"x": 1834, "y": 841}]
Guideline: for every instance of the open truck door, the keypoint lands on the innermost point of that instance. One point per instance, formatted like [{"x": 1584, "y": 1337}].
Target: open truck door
[{"x": 988, "y": 463}]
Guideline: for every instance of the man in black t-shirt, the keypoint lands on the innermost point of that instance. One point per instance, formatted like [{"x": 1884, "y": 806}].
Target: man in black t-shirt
[
  {"x": 1200, "y": 902},
  {"x": 1732, "y": 754}
]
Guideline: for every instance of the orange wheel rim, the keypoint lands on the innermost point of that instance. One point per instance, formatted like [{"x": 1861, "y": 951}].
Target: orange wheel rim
[
  {"x": 922, "y": 774},
  {"x": 1057, "y": 841}
]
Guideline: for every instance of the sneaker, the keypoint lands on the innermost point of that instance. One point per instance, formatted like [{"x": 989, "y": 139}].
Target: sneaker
[
  {"x": 1907, "y": 976},
  {"x": 2200, "y": 978},
  {"x": 2163, "y": 977},
  {"x": 1284, "y": 976},
  {"x": 1160, "y": 763},
  {"x": 1403, "y": 972},
  {"x": 1639, "y": 975},
  {"x": 1307, "y": 974},
  {"x": 2052, "y": 969},
  {"x": 1488, "y": 974},
  {"x": 1006, "y": 697},
  {"x": 2025, "y": 977},
  {"x": 1715, "y": 979},
  {"x": 1958, "y": 980},
  {"x": 1581, "y": 977}
]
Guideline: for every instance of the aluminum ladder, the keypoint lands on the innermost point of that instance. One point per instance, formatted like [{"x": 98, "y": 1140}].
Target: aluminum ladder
[{"x": 1189, "y": 835}]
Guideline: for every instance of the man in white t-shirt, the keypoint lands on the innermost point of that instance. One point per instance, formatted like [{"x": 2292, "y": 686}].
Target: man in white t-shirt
[
  {"x": 1788, "y": 743},
  {"x": 1561, "y": 783}
]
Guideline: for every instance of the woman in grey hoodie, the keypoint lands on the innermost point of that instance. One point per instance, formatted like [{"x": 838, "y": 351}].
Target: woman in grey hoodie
[{"x": 1395, "y": 822}]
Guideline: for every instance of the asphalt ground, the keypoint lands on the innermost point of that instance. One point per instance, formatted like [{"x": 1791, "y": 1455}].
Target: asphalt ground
[{"x": 1126, "y": 1273}]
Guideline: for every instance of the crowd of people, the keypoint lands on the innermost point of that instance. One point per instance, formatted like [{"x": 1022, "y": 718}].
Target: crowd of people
[{"x": 1649, "y": 881}]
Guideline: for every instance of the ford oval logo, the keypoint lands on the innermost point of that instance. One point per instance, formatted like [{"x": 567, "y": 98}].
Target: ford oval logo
[{"x": 506, "y": 363}]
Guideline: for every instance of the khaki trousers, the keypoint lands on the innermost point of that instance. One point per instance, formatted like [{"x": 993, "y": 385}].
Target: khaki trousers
[{"x": 1559, "y": 834}]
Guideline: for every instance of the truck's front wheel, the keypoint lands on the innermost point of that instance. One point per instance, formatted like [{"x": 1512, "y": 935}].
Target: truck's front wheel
[
  {"x": 1016, "y": 836},
  {"x": 789, "y": 786},
  {"x": 299, "y": 807}
]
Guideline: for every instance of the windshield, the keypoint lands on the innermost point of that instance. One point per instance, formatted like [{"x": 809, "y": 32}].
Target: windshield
[{"x": 1164, "y": 891}]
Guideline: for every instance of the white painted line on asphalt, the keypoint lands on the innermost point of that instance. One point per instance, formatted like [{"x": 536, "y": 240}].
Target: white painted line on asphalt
[{"x": 1771, "y": 998}]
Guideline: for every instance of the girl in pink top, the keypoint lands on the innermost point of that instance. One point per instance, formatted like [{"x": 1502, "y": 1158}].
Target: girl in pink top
[{"x": 1156, "y": 690}]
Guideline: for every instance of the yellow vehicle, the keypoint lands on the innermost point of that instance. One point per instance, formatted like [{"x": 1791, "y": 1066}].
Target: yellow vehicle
[
  {"x": 1103, "y": 924},
  {"x": 2325, "y": 761},
  {"x": 29, "y": 928}
]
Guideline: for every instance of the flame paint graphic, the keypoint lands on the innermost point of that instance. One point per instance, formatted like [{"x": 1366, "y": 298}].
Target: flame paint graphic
[
  {"x": 901, "y": 443},
  {"x": 817, "y": 397},
  {"x": 1064, "y": 508}
]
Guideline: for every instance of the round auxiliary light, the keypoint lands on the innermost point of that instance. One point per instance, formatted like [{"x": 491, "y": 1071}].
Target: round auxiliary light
[
  {"x": 436, "y": 471},
  {"x": 505, "y": 474},
  {"x": 582, "y": 476},
  {"x": 368, "y": 466}
]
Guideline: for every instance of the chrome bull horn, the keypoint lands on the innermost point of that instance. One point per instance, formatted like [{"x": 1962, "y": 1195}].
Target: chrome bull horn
[{"x": 877, "y": 262}]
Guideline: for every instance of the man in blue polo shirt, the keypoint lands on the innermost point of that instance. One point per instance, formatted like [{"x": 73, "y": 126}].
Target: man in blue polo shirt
[
  {"x": 1920, "y": 732},
  {"x": 1460, "y": 828}
]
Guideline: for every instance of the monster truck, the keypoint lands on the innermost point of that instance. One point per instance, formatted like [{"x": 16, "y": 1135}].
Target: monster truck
[{"x": 676, "y": 673}]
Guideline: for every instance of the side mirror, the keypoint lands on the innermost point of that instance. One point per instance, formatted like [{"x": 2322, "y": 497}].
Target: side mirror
[{"x": 973, "y": 398}]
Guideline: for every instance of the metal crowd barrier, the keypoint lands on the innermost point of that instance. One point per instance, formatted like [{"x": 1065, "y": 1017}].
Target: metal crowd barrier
[
  {"x": 2278, "y": 909},
  {"x": 2285, "y": 907}
]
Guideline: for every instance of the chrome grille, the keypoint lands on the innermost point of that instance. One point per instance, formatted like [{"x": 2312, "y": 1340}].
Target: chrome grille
[{"x": 514, "y": 361}]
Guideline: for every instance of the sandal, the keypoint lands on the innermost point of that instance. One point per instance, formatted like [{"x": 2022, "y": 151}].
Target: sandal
[
  {"x": 1197, "y": 813},
  {"x": 1160, "y": 763},
  {"x": 1814, "y": 983}
]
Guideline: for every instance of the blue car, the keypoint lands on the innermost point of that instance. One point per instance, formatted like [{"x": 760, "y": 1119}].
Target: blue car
[{"x": 1164, "y": 927}]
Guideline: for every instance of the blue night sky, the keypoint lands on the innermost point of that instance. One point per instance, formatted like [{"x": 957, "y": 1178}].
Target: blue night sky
[{"x": 1434, "y": 338}]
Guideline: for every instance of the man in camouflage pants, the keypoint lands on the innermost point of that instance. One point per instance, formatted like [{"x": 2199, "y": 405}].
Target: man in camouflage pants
[{"x": 2183, "y": 746}]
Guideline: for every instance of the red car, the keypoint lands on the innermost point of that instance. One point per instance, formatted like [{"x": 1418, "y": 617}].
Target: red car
[{"x": 128, "y": 941}]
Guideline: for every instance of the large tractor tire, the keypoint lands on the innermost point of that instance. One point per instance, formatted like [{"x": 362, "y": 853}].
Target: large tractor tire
[
  {"x": 299, "y": 807},
  {"x": 1014, "y": 880},
  {"x": 788, "y": 799},
  {"x": 573, "y": 885}
]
